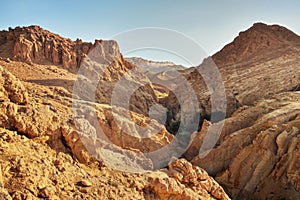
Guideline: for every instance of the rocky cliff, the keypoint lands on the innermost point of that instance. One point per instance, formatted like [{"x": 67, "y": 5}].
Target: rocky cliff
[
  {"x": 62, "y": 162},
  {"x": 154, "y": 66},
  {"x": 74, "y": 153},
  {"x": 257, "y": 155},
  {"x": 37, "y": 118},
  {"x": 35, "y": 45}
]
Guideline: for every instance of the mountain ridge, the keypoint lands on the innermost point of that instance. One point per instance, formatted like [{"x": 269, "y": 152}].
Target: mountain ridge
[
  {"x": 257, "y": 39},
  {"x": 256, "y": 155},
  {"x": 34, "y": 44}
]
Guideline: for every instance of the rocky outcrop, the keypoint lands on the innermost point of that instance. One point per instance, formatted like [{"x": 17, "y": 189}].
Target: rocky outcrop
[
  {"x": 258, "y": 155},
  {"x": 100, "y": 132},
  {"x": 35, "y": 45},
  {"x": 109, "y": 79},
  {"x": 55, "y": 118},
  {"x": 47, "y": 171},
  {"x": 185, "y": 181},
  {"x": 21, "y": 113},
  {"x": 196, "y": 142},
  {"x": 44, "y": 173},
  {"x": 11, "y": 89}
]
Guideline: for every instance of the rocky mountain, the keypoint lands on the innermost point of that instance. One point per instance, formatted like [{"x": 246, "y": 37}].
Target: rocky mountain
[
  {"x": 257, "y": 154},
  {"x": 53, "y": 148},
  {"x": 83, "y": 145},
  {"x": 258, "y": 41},
  {"x": 35, "y": 45},
  {"x": 267, "y": 64},
  {"x": 260, "y": 62}
]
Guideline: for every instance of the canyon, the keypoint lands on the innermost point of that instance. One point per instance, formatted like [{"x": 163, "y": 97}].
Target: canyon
[{"x": 63, "y": 135}]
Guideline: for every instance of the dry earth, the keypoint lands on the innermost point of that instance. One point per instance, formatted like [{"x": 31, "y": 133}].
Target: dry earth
[{"x": 42, "y": 142}]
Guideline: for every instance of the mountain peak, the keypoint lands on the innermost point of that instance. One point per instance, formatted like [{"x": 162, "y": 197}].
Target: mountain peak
[
  {"x": 256, "y": 40},
  {"x": 276, "y": 30}
]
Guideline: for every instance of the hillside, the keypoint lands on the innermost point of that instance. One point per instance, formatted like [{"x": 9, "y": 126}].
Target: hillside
[
  {"x": 75, "y": 148},
  {"x": 78, "y": 121}
]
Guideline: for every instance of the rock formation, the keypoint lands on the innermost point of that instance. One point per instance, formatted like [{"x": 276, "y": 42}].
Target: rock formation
[
  {"x": 36, "y": 118},
  {"x": 53, "y": 117},
  {"x": 258, "y": 158},
  {"x": 260, "y": 69},
  {"x": 35, "y": 45},
  {"x": 76, "y": 139},
  {"x": 260, "y": 62},
  {"x": 185, "y": 181}
]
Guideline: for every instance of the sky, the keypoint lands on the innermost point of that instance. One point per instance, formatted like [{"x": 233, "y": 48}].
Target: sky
[{"x": 211, "y": 24}]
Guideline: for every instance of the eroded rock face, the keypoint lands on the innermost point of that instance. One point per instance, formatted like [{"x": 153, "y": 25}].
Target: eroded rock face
[
  {"x": 258, "y": 157},
  {"x": 185, "y": 181},
  {"x": 53, "y": 117},
  {"x": 45, "y": 129},
  {"x": 260, "y": 62},
  {"x": 35, "y": 45},
  {"x": 114, "y": 81},
  {"x": 197, "y": 141},
  {"x": 19, "y": 112},
  {"x": 101, "y": 133},
  {"x": 12, "y": 89}
]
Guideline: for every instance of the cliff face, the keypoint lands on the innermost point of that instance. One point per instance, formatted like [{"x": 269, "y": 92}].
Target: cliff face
[
  {"x": 256, "y": 155},
  {"x": 258, "y": 150},
  {"x": 35, "y": 45}
]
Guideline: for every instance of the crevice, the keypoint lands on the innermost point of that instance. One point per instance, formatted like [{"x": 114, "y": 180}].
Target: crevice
[{"x": 296, "y": 88}]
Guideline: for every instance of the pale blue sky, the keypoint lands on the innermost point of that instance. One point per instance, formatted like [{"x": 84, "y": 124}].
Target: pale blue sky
[{"x": 212, "y": 24}]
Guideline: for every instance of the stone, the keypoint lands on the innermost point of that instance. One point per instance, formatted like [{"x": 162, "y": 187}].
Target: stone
[
  {"x": 85, "y": 183},
  {"x": 11, "y": 88},
  {"x": 4, "y": 195},
  {"x": 185, "y": 181},
  {"x": 46, "y": 192}
]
